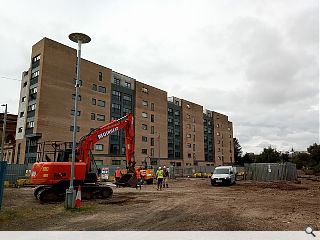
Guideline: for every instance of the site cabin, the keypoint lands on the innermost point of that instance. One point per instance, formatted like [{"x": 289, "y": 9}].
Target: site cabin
[{"x": 223, "y": 175}]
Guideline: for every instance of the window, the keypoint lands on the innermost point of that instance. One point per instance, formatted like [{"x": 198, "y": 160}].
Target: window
[
  {"x": 193, "y": 120},
  {"x": 152, "y": 106},
  {"x": 194, "y": 156},
  {"x": 127, "y": 84},
  {"x": 100, "y": 117},
  {"x": 193, "y": 128},
  {"x": 36, "y": 58},
  {"x": 152, "y": 117},
  {"x": 218, "y": 134},
  {"x": 152, "y": 152},
  {"x": 32, "y": 107},
  {"x": 194, "y": 138},
  {"x": 35, "y": 74},
  {"x": 116, "y": 162},
  {"x": 30, "y": 124},
  {"x": 177, "y": 112},
  {"x": 144, "y": 127},
  {"x": 194, "y": 147},
  {"x": 188, "y": 106},
  {"x": 189, "y": 155},
  {"x": 218, "y": 141},
  {"x": 79, "y": 82},
  {"x": 219, "y": 149},
  {"x": 127, "y": 98},
  {"x": 94, "y": 87},
  {"x": 21, "y": 114},
  {"x": 144, "y": 139},
  {"x": 115, "y": 108},
  {"x": 116, "y": 81},
  {"x": 94, "y": 101},
  {"x": 93, "y": 116},
  {"x": 25, "y": 84},
  {"x": 152, "y": 130},
  {"x": 229, "y": 129},
  {"x": 170, "y": 110},
  {"x": 116, "y": 95},
  {"x": 145, "y": 115},
  {"x": 98, "y": 162},
  {"x": 144, "y": 103},
  {"x": 188, "y": 116},
  {"x": 188, "y": 145},
  {"x": 72, "y": 112},
  {"x": 20, "y": 129},
  {"x": 144, "y": 151},
  {"x": 74, "y": 96},
  {"x": 189, "y": 126},
  {"x": 100, "y": 76},
  {"x": 217, "y": 125},
  {"x": 78, "y": 128},
  {"x": 101, "y": 103},
  {"x": 23, "y": 99},
  {"x": 152, "y": 141},
  {"x": 102, "y": 89},
  {"x": 170, "y": 120},
  {"x": 189, "y": 135},
  {"x": 99, "y": 147},
  {"x": 144, "y": 90}
]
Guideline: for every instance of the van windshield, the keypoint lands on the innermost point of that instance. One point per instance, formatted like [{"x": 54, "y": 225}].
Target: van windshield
[{"x": 221, "y": 171}]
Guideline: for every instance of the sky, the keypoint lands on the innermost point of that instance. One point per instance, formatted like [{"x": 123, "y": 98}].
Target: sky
[{"x": 255, "y": 61}]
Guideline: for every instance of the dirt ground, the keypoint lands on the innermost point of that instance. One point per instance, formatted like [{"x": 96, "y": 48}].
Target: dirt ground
[{"x": 188, "y": 204}]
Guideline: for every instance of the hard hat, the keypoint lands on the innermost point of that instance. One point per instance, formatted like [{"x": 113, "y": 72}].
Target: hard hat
[
  {"x": 164, "y": 166},
  {"x": 159, "y": 168}
]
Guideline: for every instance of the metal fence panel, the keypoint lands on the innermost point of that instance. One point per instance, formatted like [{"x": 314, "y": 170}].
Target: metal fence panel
[
  {"x": 266, "y": 172},
  {"x": 3, "y": 166},
  {"x": 15, "y": 171}
]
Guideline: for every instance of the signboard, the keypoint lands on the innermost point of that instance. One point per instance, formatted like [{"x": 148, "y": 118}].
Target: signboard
[{"x": 105, "y": 173}]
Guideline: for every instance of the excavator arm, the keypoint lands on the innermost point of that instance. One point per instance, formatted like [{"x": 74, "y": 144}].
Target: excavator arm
[{"x": 87, "y": 142}]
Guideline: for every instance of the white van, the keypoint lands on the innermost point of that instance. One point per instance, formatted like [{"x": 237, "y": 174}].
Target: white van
[{"x": 223, "y": 175}]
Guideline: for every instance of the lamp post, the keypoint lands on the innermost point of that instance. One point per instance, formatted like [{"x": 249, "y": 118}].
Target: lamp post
[
  {"x": 79, "y": 38},
  {"x": 4, "y": 124}
]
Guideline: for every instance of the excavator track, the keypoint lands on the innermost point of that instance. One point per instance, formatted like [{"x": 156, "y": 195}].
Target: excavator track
[{"x": 47, "y": 194}]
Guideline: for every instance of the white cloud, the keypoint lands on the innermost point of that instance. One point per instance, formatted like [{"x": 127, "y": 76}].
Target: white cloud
[{"x": 255, "y": 61}]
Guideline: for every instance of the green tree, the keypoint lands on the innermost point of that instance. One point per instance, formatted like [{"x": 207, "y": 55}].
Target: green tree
[
  {"x": 314, "y": 151},
  {"x": 269, "y": 155},
  {"x": 237, "y": 152},
  {"x": 248, "y": 158},
  {"x": 302, "y": 160}
]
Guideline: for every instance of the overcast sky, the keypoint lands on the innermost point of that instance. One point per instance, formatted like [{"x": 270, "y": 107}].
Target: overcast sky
[{"x": 255, "y": 61}]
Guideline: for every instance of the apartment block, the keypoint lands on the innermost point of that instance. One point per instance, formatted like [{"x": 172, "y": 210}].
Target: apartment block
[
  {"x": 167, "y": 130},
  {"x": 151, "y": 140}
]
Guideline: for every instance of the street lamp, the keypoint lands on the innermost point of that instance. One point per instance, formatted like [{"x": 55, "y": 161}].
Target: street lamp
[
  {"x": 79, "y": 38},
  {"x": 4, "y": 124}
]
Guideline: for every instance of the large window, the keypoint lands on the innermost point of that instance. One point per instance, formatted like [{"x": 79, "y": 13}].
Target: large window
[
  {"x": 128, "y": 84},
  {"x": 144, "y": 103},
  {"x": 93, "y": 101},
  {"x": 144, "y": 90},
  {"x": 116, "y": 95},
  {"x": 144, "y": 151},
  {"x": 35, "y": 74},
  {"x": 94, "y": 87},
  {"x": 144, "y": 127},
  {"x": 115, "y": 108},
  {"x": 152, "y": 130},
  {"x": 102, "y": 89},
  {"x": 116, "y": 81},
  {"x": 93, "y": 116},
  {"x": 99, "y": 147},
  {"x": 101, "y": 103},
  {"x": 144, "y": 114},
  {"x": 144, "y": 139},
  {"x": 101, "y": 117},
  {"x": 74, "y": 96}
]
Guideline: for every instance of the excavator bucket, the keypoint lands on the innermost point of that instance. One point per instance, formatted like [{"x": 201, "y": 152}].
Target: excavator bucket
[{"x": 128, "y": 180}]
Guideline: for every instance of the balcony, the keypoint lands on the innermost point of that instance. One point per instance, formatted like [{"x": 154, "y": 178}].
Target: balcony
[{"x": 33, "y": 81}]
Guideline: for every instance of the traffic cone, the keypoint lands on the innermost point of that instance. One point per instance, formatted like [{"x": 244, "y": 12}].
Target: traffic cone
[{"x": 78, "y": 198}]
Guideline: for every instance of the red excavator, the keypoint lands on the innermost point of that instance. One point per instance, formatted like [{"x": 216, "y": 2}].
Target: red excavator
[{"x": 53, "y": 178}]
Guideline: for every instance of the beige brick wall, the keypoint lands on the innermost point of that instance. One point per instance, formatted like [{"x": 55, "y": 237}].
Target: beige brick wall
[{"x": 159, "y": 99}]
